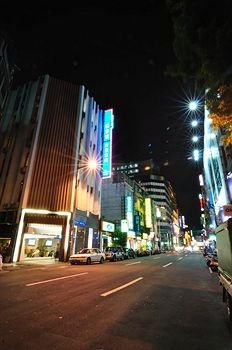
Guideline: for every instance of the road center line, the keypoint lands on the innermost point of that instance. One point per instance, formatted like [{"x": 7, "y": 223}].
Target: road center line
[
  {"x": 137, "y": 262},
  {"x": 121, "y": 287},
  {"x": 157, "y": 257},
  {"x": 180, "y": 258},
  {"x": 56, "y": 279},
  {"x": 168, "y": 264}
]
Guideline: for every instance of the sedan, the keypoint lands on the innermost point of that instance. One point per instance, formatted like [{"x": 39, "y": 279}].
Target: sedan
[
  {"x": 87, "y": 256},
  {"x": 129, "y": 253}
]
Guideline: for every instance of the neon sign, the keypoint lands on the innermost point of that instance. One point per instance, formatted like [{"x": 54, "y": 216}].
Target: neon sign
[{"x": 107, "y": 143}]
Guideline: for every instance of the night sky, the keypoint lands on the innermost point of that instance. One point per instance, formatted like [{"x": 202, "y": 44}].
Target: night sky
[{"x": 120, "y": 53}]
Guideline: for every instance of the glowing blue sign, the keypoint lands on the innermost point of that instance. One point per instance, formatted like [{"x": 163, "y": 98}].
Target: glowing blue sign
[
  {"x": 107, "y": 143},
  {"x": 79, "y": 223}
]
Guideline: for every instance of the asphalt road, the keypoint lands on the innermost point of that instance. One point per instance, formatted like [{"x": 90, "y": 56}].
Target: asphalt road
[{"x": 159, "y": 302}]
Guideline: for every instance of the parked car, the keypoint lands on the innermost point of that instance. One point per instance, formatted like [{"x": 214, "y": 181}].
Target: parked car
[
  {"x": 155, "y": 251},
  {"x": 129, "y": 253},
  {"x": 143, "y": 252},
  {"x": 114, "y": 253},
  {"x": 88, "y": 256}
]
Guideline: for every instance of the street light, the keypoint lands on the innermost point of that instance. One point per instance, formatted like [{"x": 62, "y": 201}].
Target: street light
[
  {"x": 92, "y": 164},
  {"x": 193, "y": 105},
  {"x": 195, "y": 138},
  {"x": 88, "y": 164},
  {"x": 194, "y": 123}
]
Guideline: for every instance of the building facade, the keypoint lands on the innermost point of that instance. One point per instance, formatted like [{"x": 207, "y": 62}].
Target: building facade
[
  {"x": 49, "y": 198},
  {"x": 217, "y": 178},
  {"x": 126, "y": 204},
  {"x": 6, "y": 74},
  {"x": 146, "y": 173}
]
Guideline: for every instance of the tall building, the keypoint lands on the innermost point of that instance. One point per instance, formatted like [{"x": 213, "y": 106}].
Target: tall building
[
  {"x": 217, "y": 175},
  {"x": 49, "y": 197},
  {"x": 127, "y": 205},
  {"x": 161, "y": 192},
  {"x": 6, "y": 74}
]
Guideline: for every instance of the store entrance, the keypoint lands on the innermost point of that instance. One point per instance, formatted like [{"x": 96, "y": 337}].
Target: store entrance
[{"x": 41, "y": 241}]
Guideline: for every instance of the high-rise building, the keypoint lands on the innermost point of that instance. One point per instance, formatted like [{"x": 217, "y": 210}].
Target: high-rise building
[
  {"x": 160, "y": 191},
  {"x": 49, "y": 196},
  {"x": 6, "y": 74},
  {"x": 126, "y": 204},
  {"x": 217, "y": 175}
]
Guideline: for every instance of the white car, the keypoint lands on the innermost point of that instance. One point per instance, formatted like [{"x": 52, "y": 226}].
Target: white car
[{"x": 87, "y": 256}]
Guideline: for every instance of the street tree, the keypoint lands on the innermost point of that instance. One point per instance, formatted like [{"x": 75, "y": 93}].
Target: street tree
[{"x": 202, "y": 44}]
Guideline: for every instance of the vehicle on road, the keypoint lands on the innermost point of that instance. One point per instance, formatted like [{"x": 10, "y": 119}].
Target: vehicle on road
[
  {"x": 88, "y": 256},
  {"x": 114, "y": 253},
  {"x": 224, "y": 252},
  {"x": 129, "y": 253},
  {"x": 212, "y": 261}
]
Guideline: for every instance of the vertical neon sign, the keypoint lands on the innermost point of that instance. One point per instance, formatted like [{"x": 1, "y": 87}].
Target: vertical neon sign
[
  {"x": 129, "y": 214},
  {"x": 148, "y": 212},
  {"x": 107, "y": 143}
]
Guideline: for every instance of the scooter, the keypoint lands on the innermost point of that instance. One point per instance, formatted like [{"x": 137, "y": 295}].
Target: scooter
[{"x": 212, "y": 261}]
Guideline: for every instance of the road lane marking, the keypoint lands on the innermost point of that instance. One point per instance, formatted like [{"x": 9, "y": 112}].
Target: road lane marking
[
  {"x": 168, "y": 264},
  {"x": 137, "y": 262},
  {"x": 121, "y": 287},
  {"x": 55, "y": 279},
  {"x": 180, "y": 258},
  {"x": 157, "y": 257}
]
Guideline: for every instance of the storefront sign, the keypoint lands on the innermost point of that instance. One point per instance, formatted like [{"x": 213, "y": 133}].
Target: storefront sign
[
  {"x": 108, "y": 226},
  {"x": 107, "y": 143}
]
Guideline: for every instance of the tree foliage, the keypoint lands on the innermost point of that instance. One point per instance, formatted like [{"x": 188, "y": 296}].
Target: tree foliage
[
  {"x": 202, "y": 44},
  {"x": 219, "y": 102},
  {"x": 119, "y": 238}
]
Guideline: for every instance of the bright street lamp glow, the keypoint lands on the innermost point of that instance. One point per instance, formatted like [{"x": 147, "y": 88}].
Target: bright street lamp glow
[
  {"x": 194, "y": 123},
  {"x": 193, "y": 105},
  {"x": 195, "y": 138},
  {"x": 92, "y": 163},
  {"x": 196, "y": 154}
]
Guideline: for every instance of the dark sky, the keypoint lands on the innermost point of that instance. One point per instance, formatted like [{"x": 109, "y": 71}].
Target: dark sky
[{"x": 120, "y": 53}]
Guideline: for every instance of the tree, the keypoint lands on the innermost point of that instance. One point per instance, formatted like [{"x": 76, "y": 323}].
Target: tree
[
  {"x": 220, "y": 105},
  {"x": 202, "y": 43},
  {"x": 119, "y": 238}
]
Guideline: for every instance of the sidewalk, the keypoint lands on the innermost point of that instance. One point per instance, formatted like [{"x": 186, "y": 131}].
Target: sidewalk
[{"x": 28, "y": 263}]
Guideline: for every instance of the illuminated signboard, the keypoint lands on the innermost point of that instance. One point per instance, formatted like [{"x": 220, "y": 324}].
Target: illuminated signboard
[
  {"x": 129, "y": 212},
  {"x": 107, "y": 143},
  {"x": 108, "y": 226},
  {"x": 148, "y": 212},
  {"x": 124, "y": 226}
]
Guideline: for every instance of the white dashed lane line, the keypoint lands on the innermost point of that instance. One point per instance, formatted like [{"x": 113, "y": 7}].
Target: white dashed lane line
[
  {"x": 56, "y": 279},
  {"x": 168, "y": 264},
  {"x": 134, "y": 263},
  {"x": 121, "y": 287}
]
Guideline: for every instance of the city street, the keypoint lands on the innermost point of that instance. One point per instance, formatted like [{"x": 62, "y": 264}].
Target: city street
[{"x": 158, "y": 302}]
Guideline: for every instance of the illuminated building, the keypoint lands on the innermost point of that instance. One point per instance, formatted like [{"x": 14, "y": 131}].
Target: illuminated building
[
  {"x": 217, "y": 173},
  {"x": 162, "y": 194},
  {"x": 49, "y": 197},
  {"x": 126, "y": 203}
]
